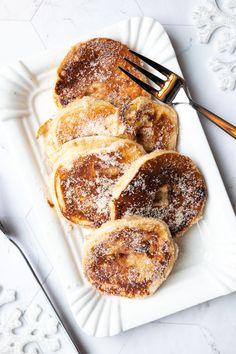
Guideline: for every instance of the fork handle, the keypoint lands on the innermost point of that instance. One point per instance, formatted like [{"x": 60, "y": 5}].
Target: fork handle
[
  {"x": 221, "y": 123},
  {"x": 74, "y": 343}
]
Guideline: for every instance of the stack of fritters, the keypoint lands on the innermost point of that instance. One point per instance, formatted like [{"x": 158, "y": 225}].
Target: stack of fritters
[{"x": 114, "y": 168}]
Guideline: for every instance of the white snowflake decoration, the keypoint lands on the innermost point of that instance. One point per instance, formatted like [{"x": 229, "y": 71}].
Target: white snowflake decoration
[
  {"x": 227, "y": 42},
  {"x": 212, "y": 18},
  {"x": 220, "y": 22},
  {"x": 31, "y": 332},
  {"x": 227, "y": 73},
  {"x": 231, "y": 5},
  {"x": 6, "y": 296}
]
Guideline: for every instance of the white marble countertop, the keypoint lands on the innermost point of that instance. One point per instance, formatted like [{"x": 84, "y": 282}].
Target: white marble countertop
[{"x": 29, "y": 26}]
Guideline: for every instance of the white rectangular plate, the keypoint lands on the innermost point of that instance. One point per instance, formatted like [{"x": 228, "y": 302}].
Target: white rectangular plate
[{"x": 206, "y": 267}]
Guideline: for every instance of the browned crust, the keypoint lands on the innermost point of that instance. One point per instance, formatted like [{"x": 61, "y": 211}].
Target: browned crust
[
  {"x": 152, "y": 124},
  {"x": 83, "y": 117},
  {"x": 91, "y": 68},
  {"x": 84, "y": 180},
  {"x": 136, "y": 191},
  {"x": 130, "y": 257}
]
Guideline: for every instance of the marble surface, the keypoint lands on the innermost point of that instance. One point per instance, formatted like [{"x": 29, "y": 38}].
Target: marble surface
[{"x": 30, "y": 26}]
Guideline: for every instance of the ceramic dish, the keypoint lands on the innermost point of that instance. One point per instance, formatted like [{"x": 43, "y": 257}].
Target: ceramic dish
[{"x": 206, "y": 267}]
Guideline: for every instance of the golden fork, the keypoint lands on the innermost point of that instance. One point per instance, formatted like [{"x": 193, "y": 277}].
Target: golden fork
[{"x": 169, "y": 88}]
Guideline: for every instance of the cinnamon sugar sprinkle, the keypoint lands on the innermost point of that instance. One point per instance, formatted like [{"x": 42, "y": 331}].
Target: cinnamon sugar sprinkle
[
  {"x": 88, "y": 185},
  {"x": 129, "y": 260},
  {"x": 91, "y": 69},
  {"x": 186, "y": 192}
]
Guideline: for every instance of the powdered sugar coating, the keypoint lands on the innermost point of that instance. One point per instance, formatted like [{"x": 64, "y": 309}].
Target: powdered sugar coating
[
  {"x": 131, "y": 259},
  {"x": 166, "y": 186},
  {"x": 91, "y": 69},
  {"x": 87, "y": 117},
  {"x": 150, "y": 123},
  {"x": 84, "y": 187}
]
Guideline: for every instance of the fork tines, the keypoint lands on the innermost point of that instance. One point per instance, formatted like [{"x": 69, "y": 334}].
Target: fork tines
[
  {"x": 164, "y": 71},
  {"x": 157, "y": 80},
  {"x": 142, "y": 84}
]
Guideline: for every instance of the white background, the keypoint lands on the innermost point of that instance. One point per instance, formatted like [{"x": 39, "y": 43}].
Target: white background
[{"x": 30, "y": 26}]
